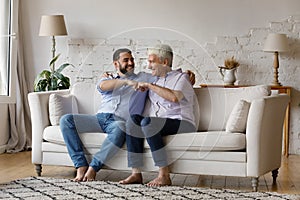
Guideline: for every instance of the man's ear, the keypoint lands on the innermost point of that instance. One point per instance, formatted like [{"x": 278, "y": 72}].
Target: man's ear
[
  {"x": 116, "y": 64},
  {"x": 166, "y": 62}
]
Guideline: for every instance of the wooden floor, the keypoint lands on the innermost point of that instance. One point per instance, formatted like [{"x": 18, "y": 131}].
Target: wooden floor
[{"x": 16, "y": 166}]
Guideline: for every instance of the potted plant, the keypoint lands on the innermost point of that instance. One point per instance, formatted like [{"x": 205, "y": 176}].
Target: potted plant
[
  {"x": 230, "y": 63},
  {"x": 228, "y": 70},
  {"x": 53, "y": 79}
]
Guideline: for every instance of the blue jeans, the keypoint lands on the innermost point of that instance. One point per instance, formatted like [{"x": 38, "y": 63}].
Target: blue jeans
[
  {"x": 153, "y": 129},
  {"x": 72, "y": 125}
]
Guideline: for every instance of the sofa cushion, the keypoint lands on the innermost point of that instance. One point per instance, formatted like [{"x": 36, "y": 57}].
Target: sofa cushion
[
  {"x": 60, "y": 105},
  {"x": 216, "y": 104},
  {"x": 238, "y": 117},
  {"x": 53, "y": 134},
  {"x": 227, "y": 156},
  {"x": 204, "y": 141}
]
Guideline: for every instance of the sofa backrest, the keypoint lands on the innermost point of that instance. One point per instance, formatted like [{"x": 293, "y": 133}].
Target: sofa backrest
[
  {"x": 87, "y": 97},
  {"x": 216, "y": 104}
]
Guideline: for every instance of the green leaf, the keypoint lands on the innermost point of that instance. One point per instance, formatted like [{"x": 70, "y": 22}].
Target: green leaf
[
  {"x": 62, "y": 67},
  {"x": 41, "y": 85},
  {"x": 40, "y": 82},
  {"x": 64, "y": 83},
  {"x": 44, "y": 74},
  {"x": 54, "y": 59},
  {"x": 53, "y": 83}
]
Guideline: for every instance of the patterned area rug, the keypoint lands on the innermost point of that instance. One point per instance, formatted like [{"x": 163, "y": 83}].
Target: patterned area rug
[{"x": 50, "y": 188}]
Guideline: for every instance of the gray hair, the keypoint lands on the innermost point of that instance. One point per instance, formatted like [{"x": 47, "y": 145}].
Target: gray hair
[{"x": 163, "y": 51}]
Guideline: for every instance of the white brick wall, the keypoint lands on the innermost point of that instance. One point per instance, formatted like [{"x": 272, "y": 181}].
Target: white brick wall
[{"x": 94, "y": 56}]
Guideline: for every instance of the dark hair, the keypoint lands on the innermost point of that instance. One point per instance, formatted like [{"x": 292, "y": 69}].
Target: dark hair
[{"x": 117, "y": 53}]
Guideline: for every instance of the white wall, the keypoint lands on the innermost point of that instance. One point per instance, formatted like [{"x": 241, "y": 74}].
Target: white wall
[{"x": 200, "y": 20}]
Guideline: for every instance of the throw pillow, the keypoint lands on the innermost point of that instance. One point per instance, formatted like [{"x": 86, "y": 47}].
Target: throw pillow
[
  {"x": 238, "y": 117},
  {"x": 60, "y": 105}
]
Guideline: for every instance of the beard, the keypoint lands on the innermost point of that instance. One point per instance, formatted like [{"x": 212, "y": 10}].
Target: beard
[{"x": 125, "y": 70}]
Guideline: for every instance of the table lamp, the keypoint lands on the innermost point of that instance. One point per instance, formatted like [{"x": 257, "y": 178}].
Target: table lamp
[
  {"x": 53, "y": 25},
  {"x": 276, "y": 43}
]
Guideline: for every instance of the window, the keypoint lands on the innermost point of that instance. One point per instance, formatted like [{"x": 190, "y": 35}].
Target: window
[{"x": 8, "y": 49}]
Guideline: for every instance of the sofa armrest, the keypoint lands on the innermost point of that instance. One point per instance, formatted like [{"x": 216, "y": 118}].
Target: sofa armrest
[
  {"x": 39, "y": 112},
  {"x": 264, "y": 134}
]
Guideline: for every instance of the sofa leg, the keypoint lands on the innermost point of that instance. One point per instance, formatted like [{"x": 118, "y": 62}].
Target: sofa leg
[
  {"x": 254, "y": 182},
  {"x": 274, "y": 175},
  {"x": 38, "y": 169}
]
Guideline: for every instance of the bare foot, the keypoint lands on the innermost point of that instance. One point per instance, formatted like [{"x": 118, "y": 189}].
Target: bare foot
[
  {"x": 90, "y": 175},
  {"x": 80, "y": 173},
  {"x": 160, "y": 181},
  {"x": 134, "y": 178}
]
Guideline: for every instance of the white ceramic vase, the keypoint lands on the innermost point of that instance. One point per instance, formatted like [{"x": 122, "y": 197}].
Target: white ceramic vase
[{"x": 228, "y": 76}]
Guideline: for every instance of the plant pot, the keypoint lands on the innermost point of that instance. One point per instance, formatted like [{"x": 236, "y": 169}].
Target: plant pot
[{"x": 228, "y": 76}]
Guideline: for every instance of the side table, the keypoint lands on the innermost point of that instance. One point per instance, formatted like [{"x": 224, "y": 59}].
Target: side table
[{"x": 286, "y": 127}]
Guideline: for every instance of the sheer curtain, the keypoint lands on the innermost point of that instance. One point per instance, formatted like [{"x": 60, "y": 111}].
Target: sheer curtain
[{"x": 19, "y": 114}]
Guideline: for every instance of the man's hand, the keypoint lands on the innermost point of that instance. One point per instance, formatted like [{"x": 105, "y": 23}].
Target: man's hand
[
  {"x": 107, "y": 75},
  {"x": 192, "y": 76},
  {"x": 142, "y": 86}
]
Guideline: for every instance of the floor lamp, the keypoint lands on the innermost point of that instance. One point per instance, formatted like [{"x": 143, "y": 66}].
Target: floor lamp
[
  {"x": 276, "y": 43},
  {"x": 53, "y": 25}
]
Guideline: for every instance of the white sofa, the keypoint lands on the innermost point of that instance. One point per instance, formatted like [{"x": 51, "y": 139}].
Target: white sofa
[{"x": 251, "y": 151}]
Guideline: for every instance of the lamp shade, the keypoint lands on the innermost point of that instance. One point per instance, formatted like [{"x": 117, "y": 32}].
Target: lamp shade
[
  {"x": 52, "y": 25},
  {"x": 276, "y": 43}
]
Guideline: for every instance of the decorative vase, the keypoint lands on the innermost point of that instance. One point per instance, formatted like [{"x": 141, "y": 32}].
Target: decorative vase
[{"x": 228, "y": 76}]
